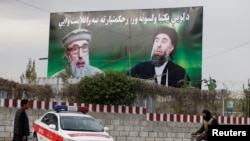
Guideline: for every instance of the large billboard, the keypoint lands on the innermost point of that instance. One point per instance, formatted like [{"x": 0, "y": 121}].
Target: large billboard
[{"x": 121, "y": 39}]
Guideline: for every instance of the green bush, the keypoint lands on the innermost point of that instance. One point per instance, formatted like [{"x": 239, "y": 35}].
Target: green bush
[{"x": 109, "y": 88}]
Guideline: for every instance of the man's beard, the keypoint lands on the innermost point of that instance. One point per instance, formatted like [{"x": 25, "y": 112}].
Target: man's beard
[
  {"x": 157, "y": 60},
  {"x": 79, "y": 72}
]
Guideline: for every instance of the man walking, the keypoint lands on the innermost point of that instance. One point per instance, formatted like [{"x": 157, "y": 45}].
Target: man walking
[{"x": 21, "y": 123}]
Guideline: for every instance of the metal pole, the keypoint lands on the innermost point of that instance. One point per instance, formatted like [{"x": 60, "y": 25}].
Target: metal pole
[
  {"x": 247, "y": 96},
  {"x": 57, "y": 88},
  {"x": 129, "y": 46},
  {"x": 248, "y": 106},
  {"x": 45, "y": 58},
  {"x": 223, "y": 109}
]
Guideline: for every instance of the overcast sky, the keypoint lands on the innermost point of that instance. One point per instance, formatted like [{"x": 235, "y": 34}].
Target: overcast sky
[{"x": 24, "y": 31}]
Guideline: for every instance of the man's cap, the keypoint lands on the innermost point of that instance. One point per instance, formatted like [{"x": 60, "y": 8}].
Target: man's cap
[
  {"x": 170, "y": 32},
  {"x": 76, "y": 35}
]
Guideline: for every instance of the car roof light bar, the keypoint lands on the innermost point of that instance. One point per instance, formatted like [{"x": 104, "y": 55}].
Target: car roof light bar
[{"x": 82, "y": 109}]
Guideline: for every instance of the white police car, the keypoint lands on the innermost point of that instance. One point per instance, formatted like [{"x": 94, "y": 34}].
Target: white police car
[{"x": 62, "y": 125}]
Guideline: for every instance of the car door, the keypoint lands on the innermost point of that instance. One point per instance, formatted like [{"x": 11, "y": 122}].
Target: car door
[{"x": 49, "y": 125}]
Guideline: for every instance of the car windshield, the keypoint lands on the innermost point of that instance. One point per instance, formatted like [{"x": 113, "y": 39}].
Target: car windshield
[{"x": 76, "y": 123}]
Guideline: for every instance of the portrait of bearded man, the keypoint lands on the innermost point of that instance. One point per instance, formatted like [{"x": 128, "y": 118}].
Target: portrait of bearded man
[
  {"x": 77, "y": 44},
  {"x": 160, "y": 67}
]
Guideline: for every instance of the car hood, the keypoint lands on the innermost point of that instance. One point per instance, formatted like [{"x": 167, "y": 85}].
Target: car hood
[{"x": 88, "y": 136}]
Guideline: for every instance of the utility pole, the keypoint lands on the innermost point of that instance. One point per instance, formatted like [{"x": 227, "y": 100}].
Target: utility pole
[
  {"x": 223, "y": 105},
  {"x": 248, "y": 101},
  {"x": 129, "y": 45},
  {"x": 57, "y": 88}
]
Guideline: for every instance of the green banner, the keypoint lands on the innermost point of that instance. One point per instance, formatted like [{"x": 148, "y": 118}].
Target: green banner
[{"x": 123, "y": 38}]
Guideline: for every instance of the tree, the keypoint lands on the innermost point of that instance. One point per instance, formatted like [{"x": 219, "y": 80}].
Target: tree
[
  {"x": 184, "y": 82},
  {"x": 66, "y": 74},
  {"x": 211, "y": 83},
  {"x": 30, "y": 73},
  {"x": 247, "y": 98}
]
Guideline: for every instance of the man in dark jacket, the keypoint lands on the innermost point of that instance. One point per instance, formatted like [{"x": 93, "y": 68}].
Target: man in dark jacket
[
  {"x": 201, "y": 133},
  {"x": 160, "y": 68},
  {"x": 21, "y": 123}
]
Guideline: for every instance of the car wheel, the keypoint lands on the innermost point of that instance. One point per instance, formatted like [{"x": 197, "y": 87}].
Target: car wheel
[{"x": 35, "y": 137}]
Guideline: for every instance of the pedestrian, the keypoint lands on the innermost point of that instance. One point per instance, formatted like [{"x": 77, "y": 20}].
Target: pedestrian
[
  {"x": 208, "y": 119},
  {"x": 21, "y": 122}
]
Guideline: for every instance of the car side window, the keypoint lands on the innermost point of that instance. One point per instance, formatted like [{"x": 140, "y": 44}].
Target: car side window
[
  {"x": 50, "y": 118},
  {"x": 46, "y": 119},
  {"x": 54, "y": 120}
]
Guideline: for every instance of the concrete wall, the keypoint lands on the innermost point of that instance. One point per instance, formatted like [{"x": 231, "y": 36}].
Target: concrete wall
[
  {"x": 123, "y": 127},
  {"x": 126, "y": 123}
]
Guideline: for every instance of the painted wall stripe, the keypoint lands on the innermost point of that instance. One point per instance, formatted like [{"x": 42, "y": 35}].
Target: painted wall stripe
[{"x": 45, "y": 105}]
